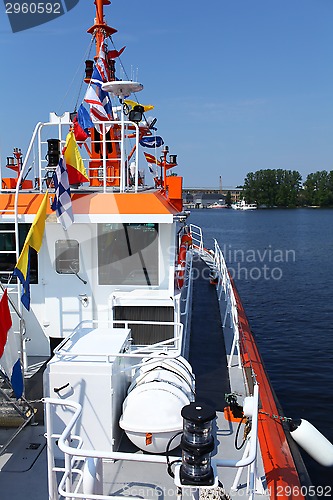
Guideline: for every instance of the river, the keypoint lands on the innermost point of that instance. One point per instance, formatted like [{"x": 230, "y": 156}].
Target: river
[{"x": 282, "y": 263}]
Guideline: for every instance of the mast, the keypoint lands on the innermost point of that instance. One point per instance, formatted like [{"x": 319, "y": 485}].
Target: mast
[
  {"x": 110, "y": 151},
  {"x": 100, "y": 29},
  {"x": 108, "y": 165}
]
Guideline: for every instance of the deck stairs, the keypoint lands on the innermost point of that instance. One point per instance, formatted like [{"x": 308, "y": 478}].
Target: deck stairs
[{"x": 14, "y": 414}]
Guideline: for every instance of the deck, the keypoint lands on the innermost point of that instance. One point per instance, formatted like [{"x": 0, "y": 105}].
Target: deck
[
  {"x": 23, "y": 465},
  {"x": 207, "y": 348}
]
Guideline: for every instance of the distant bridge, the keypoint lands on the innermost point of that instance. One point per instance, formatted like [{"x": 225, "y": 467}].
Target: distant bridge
[{"x": 200, "y": 197}]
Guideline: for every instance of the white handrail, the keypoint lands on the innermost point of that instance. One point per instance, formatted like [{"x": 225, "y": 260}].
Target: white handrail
[
  {"x": 140, "y": 351},
  {"x": 61, "y": 135},
  {"x": 224, "y": 284},
  {"x": 187, "y": 283},
  {"x": 81, "y": 453}
]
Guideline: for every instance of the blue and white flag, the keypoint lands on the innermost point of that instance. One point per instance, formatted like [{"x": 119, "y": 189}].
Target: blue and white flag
[
  {"x": 97, "y": 110},
  {"x": 84, "y": 119},
  {"x": 62, "y": 202},
  {"x": 97, "y": 78},
  {"x": 101, "y": 64},
  {"x": 152, "y": 141},
  {"x": 103, "y": 96},
  {"x": 105, "y": 100}
]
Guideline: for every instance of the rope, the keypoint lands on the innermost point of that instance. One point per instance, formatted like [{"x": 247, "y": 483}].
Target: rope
[
  {"x": 125, "y": 73},
  {"x": 86, "y": 55},
  {"x": 276, "y": 417},
  {"x": 217, "y": 493},
  {"x": 33, "y": 401},
  {"x": 119, "y": 59}
]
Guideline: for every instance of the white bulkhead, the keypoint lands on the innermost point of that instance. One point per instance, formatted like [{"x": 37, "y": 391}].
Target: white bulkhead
[{"x": 81, "y": 278}]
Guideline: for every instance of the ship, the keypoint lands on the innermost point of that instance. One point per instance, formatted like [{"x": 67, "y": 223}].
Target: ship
[
  {"x": 243, "y": 205},
  {"x": 218, "y": 204},
  {"x": 128, "y": 365}
]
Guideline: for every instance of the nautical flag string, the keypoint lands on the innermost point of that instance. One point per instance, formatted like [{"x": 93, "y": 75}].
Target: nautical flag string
[
  {"x": 84, "y": 119},
  {"x": 97, "y": 110},
  {"x": 101, "y": 64},
  {"x": 62, "y": 203},
  {"x": 113, "y": 54},
  {"x": 76, "y": 170},
  {"x": 82, "y": 123},
  {"x": 153, "y": 141},
  {"x": 103, "y": 96},
  {"x": 132, "y": 104},
  {"x": 9, "y": 349},
  {"x": 101, "y": 75},
  {"x": 152, "y": 159}
]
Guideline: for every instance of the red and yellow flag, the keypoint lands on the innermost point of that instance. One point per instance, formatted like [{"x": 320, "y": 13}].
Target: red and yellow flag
[
  {"x": 74, "y": 163},
  {"x": 152, "y": 159}
]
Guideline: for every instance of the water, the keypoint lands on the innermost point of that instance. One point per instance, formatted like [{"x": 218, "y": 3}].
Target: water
[{"x": 282, "y": 261}]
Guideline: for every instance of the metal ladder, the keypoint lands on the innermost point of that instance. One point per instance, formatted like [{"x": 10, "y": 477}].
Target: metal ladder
[
  {"x": 14, "y": 415},
  {"x": 13, "y": 288}
]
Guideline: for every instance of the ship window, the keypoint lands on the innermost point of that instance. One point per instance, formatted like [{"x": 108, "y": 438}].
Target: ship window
[
  {"x": 128, "y": 254},
  {"x": 7, "y": 252},
  {"x": 67, "y": 256}
]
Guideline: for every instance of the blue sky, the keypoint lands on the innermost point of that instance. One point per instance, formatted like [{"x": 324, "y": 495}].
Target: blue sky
[{"x": 238, "y": 85}]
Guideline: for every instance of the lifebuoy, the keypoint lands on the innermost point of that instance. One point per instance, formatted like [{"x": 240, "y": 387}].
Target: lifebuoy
[
  {"x": 181, "y": 265},
  {"x": 185, "y": 243}
]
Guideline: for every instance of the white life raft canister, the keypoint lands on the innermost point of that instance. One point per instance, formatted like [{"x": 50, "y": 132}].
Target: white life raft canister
[{"x": 152, "y": 409}]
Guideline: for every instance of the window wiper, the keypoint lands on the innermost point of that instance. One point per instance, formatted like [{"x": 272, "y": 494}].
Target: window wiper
[{"x": 79, "y": 277}]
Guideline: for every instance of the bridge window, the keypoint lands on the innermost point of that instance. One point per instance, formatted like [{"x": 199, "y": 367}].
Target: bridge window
[
  {"x": 128, "y": 254},
  {"x": 67, "y": 256},
  {"x": 7, "y": 252}
]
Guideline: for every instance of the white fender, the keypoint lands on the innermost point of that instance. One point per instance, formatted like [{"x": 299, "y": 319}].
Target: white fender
[{"x": 313, "y": 442}]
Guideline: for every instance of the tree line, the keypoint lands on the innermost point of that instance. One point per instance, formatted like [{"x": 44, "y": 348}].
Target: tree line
[{"x": 284, "y": 188}]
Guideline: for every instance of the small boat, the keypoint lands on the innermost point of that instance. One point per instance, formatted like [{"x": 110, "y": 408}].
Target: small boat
[
  {"x": 242, "y": 205},
  {"x": 128, "y": 366},
  {"x": 217, "y": 204}
]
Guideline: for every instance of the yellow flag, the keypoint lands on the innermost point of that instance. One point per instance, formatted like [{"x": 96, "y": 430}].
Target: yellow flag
[
  {"x": 33, "y": 240},
  {"x": 146, "y": 107}
]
